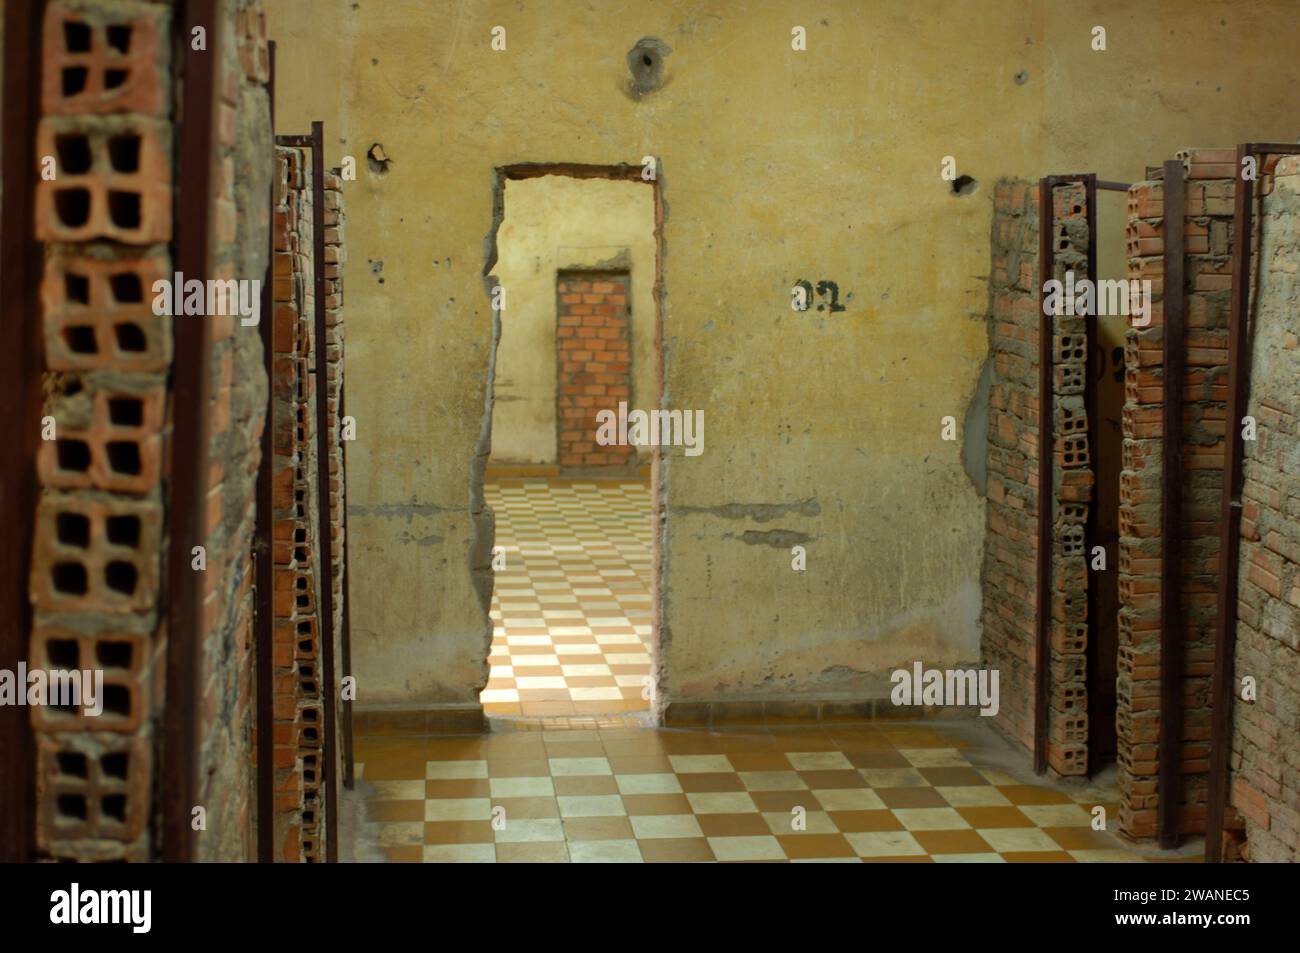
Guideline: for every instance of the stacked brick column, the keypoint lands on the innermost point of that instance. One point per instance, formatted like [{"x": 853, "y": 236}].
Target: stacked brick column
[
  {"x": 1072, "y": 482},
  {"x": 1207, "y": 230},
  {"x": 1265, "y": 765},
  {"x": 335, "y": 257},
  {"x": 1010, "y": 544},
  {"x": 239, "y": 220},
  {"x": 1010, "y": 561},
  {"x": 593, "y": 348},
  {"x": 298, "y": 711},
  {"x": 95, "y": 579}
]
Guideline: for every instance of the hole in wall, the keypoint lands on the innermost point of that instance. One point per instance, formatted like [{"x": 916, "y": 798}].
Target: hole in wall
[
  {"x": 130, "y": 337},
  {"x": 124, "y": 531},
  {"x": 114, "y": 654},
  {"x": 645, "y": 61},
  {"x": 69, "y": 578},
  {"x": 124, "y": 457},
  {"x": 72, "y": 805},
  {"x": 126, "y": 411},
  {"x": 72, "y": 206},
  {"x": 963, "y": 185},
  {"x": 114, "y": 765},
  {"x": 113, "y": 805},
  {"x": 121, "y": 577},
  {"x": 62, "y": 654},
  {"x": 76, "y": 288},
  {"x": 80, "y": 339},
  {"x": 73, "y": 455},
  {"x": 74, "y": 80},
  {"x": 74, "y": 153},
  {"x": 73, "y": 529},
  {"x": 501, "y": 448},
  {"x": 71, "y": 764},
  {"x": 119, "y": 38},
  {"x": 378, "y": 160},
  {"x": 124, "y": 153},
  {"x": 127, "y": 287},
  {"x": 117, "y": 701},
  {"x": 76, "y": 36},
  {"x": 124, "y": 208}
]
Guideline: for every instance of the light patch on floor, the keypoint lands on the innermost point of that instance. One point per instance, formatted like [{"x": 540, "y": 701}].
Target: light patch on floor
[{"x": 571, "y": 608}]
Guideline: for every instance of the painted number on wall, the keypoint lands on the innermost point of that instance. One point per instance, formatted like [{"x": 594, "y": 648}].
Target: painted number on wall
[{"x": 828, "y": 291}]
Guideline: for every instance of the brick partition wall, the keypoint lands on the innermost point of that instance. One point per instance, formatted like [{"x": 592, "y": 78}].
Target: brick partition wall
[
  {"x": 1009, "y": 568},
  {"x": 1265, "y": 761},
  {"x": 1072, "y": 481},
  {"x": 97, "y": 577},
  {"x": 593, "y": 342},
  {"x": 96, "y": 572},
  {"x": 1207, "y": 230},
  {"x": 1010, "y": 560},
  {"x": 241, "y": 220},
  {"x": 335, "y": 256},
  {"x": 298, "y": 670}
]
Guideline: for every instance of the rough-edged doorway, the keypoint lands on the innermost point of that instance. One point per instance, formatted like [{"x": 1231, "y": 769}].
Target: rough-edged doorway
[{"x": 573, "y": 274}]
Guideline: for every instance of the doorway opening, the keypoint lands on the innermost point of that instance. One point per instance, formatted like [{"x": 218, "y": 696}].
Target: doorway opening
[{"x": 574, "y": 274}]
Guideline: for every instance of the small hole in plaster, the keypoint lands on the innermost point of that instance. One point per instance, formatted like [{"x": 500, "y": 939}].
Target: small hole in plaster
[
  {"x": 964, "y": 185},
  {"x": 378, "y": 160},
  {"x": 645, "y": 61}
]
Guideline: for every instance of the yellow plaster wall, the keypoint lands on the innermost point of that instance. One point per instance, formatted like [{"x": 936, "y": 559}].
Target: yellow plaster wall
[
  {"x": 555, "y": 223},
  {"x": 777, "y": 166}
]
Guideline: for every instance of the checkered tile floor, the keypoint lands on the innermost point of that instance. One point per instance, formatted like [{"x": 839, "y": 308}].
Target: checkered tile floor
[
  {"x": 897, "y": 792},
  {"x": 571, "y": 609}
]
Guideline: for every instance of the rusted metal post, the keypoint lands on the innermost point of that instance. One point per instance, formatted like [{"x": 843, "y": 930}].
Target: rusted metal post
[
  {"x": 329, "y": 687},
  {"x": 263, "y": 550},
  {"x": 188, "y": 484},
  {"x": 21, "y": 362}
]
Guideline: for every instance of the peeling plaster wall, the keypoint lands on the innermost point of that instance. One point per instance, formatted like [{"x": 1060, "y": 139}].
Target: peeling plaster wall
[
  {"x": 777, "y": 166},
  {"x": 554, "y": 223}
]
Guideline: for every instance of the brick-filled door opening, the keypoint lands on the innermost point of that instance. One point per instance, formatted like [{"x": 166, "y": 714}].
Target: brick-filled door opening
[
  {"x": 593, "y": 347},
  {"x": 570, "y": 498}
]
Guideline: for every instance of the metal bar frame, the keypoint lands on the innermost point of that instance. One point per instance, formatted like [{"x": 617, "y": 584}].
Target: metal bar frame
[
  {"x": 263, "y": 547},
  {"x": 329, "y": 695},
  {"x": 188, "y": 483},
  {"x": 349, "y": 764},
  {"x": 1172, "y": 649},
  {"x": 349, "y": 760},
  {"x": 1225, "y": 636},
  {"x": 21, "y": 363}
]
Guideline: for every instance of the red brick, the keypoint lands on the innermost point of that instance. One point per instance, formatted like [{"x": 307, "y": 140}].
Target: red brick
[{"x": 105, "y": 187}]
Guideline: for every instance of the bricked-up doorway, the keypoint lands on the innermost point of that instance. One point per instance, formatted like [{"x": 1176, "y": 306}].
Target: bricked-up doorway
[
  {"x": 568, "y": 522},
  {"x": 593, "y": 348}
]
